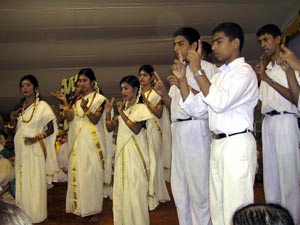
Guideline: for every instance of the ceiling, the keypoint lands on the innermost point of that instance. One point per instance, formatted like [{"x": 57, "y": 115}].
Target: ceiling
[{"x": 54, "y": 39}]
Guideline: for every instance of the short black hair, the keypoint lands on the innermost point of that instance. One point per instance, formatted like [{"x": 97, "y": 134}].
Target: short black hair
[
  {"x": 271, "y": 29},
  {"x": 262, "y": 213},
  {"x": 191, "y": 34},
  {"x": 232, "y": 31}
]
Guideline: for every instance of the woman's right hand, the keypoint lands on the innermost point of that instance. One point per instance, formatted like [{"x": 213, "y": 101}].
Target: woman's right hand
[{"x": 59, "y": 95}]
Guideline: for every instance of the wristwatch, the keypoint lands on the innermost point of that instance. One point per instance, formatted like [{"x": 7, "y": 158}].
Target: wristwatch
[{"x": 199, "y": 73}]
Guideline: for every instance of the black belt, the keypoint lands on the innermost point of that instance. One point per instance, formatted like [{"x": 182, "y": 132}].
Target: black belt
[
  {"x": 274, "y": 112},
  {"x": 223, "y": 135},
  {"x": 181, "y": 120}
]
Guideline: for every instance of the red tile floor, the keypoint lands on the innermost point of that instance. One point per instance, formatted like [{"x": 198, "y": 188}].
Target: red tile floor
[{"x": 165, "y": 214}]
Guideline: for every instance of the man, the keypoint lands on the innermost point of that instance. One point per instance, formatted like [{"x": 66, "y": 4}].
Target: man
[
  {"x": 280, "y": 134},
  {"x": 289, "y": 62},
  {"x": 231, "y": 96},
  {"x": 190, "y": 139}
]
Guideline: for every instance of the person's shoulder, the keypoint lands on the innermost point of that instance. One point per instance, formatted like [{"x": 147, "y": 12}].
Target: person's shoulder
[
  {"x": 98, "y": 98},
  {"x": 43, "y": 103},
  {"x": 208, "y": 65}
]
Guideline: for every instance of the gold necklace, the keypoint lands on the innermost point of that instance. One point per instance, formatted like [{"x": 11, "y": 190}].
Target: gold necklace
[
  {"x": 149, "y": 93},
  {"x": 75, "y": 107},
  {"x": 129, "y": 107},
  {"x": 31, "y": 116}
]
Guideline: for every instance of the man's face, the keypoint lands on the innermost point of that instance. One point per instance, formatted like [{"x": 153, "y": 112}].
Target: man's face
[
  {"x": 269, "y": 44},
  {"x": 222, "y": 47},
  {"x": 181, "y": 44}
]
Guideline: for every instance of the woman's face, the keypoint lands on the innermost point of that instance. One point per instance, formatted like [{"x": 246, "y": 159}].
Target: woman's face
[
  {"x": 78, "y": 90},
  {"x": 27, "y": 88},
  {"x": 128, "y": 92},
  {"x": 84, "y": 83},
  {"x": 144, "y": 78}
]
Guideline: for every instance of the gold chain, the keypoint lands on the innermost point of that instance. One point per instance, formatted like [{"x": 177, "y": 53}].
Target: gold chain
[
  {"x": 149, "y": 93},
  {"x": 31, "y": 116}
]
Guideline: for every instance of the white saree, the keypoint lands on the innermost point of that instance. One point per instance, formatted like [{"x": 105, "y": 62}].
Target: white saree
[
  {"x": 157, "y": 187},
  {"x": 86, "y": 161},
  {"x": 36, "y": 164},
  {"x": 131, "y": 174},
  {"x": 166, "y": 153}
]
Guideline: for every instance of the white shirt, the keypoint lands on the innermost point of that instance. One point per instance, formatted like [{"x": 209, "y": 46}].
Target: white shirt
[
  {"x": 232, "y": 96},
  {"x": 270, "y": 98},
  {"x": 177, "y": 112}
]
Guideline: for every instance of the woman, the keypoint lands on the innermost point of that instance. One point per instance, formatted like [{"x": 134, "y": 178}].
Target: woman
[
  {"x": 34, "y": 141},
  {"x": 86, "y": 148},
  {"x": 130, "y": 202},
  {"x": 154, "y": 103}
]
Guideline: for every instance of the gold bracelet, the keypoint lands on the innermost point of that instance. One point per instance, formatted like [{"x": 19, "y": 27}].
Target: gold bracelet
[
  {"x": 10, "y": 126},
  {"x": 129, "y": 122},
  {"x": 41, "y": 135},
  {"x": 151, "y": 106},
  {"x": 66, "y": 107}
]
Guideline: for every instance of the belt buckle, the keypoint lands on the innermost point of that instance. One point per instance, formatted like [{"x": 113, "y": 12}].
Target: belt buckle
[{"x": 215, "y": 136}]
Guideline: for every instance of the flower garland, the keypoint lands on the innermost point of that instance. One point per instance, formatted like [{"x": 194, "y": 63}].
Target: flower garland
[{"x": 68, "y": 85}]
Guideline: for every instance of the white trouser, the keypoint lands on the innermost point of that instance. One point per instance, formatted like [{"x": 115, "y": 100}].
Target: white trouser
[
  {"x": 281, "y": 162},
  {"x": 190, "y": 171},
  {"x": 232, "y": 173}
]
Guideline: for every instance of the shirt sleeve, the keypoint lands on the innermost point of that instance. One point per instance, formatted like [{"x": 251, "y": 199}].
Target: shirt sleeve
[
  {"x": 237, "y": 88},
  {"x": 194, "y": 105}
]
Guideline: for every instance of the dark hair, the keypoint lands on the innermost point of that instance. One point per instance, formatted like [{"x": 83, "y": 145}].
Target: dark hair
[
  {"x": 134, "y": 82},
  {"x": 190, "y": 34},
  {"x": 206, "y": 47},
  {"x": 262, "y": 213},
  {"x": 12, "y": 214},
  {"x": 88, "y": 72},
  {"x": 232, "y": 31},
  {"x": 147, "y": 68},
  {"x": 32, "y": 80},
  {"x": 271, "y": 29},
  {"x": 4, "y": 134}
]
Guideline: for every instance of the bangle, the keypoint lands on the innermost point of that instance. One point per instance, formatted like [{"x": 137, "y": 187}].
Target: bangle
[
  {"x": 41, "y": 135},
  {"x": 66, "y": 107},
  {"x": 10, "y": 126},
  {"x": 151, "y": 106},
  {"x": 129, "y": 122}
]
